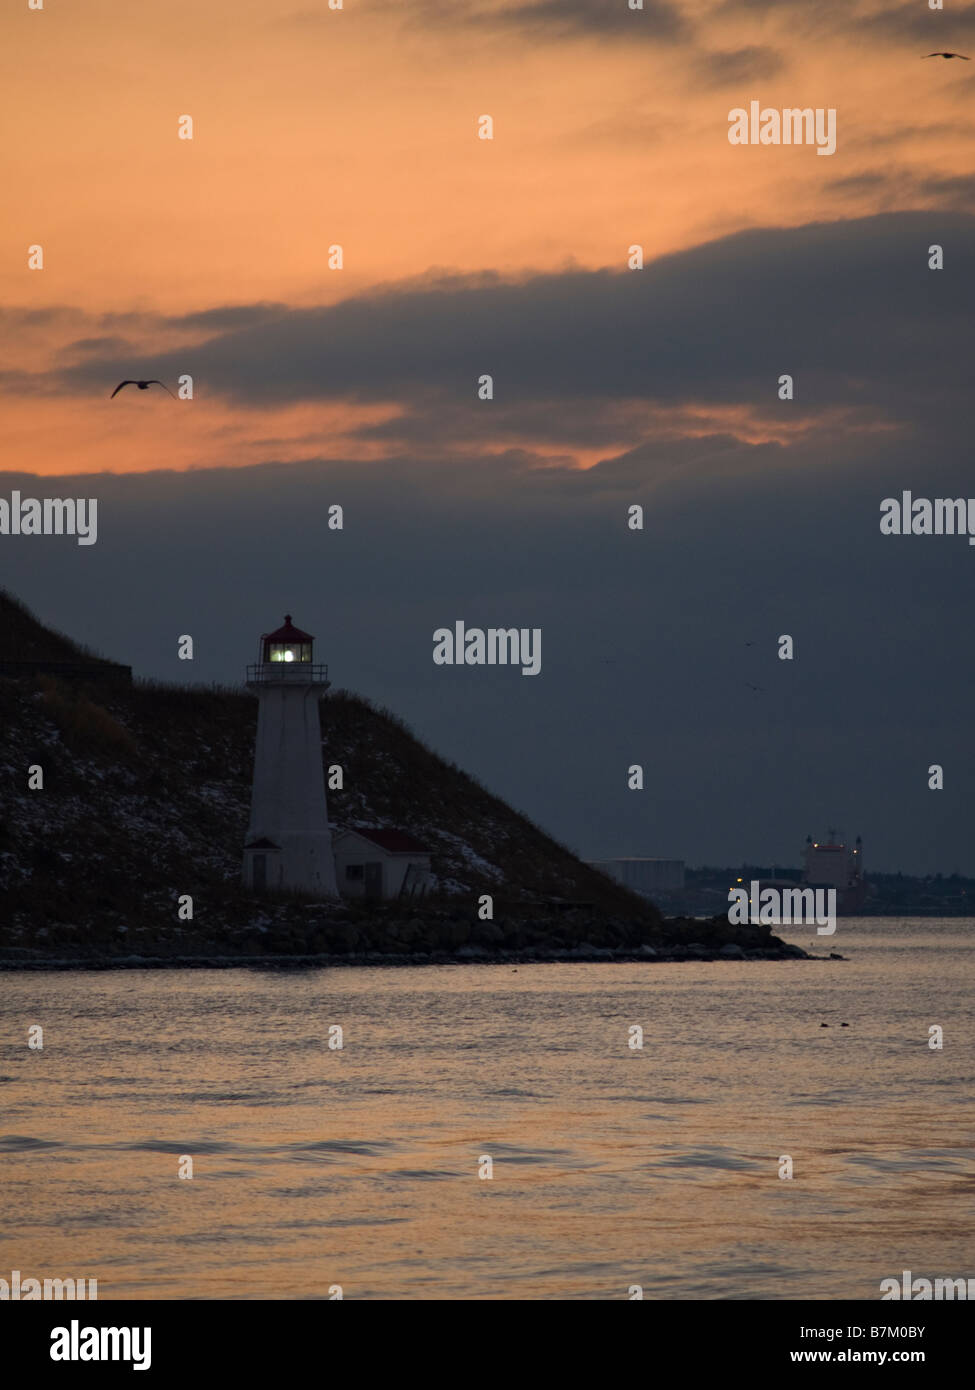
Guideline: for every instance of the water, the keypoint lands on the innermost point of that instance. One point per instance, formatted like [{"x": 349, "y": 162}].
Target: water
[{"x": 315, "y": 1167}]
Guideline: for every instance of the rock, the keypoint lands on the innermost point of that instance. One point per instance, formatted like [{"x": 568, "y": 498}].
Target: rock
[
  {"x": 456, "y": 933},
  {"x": 647, "y": 951},
  {"x": 346, "y": 937},
  {"x": 408, "y": 933},
  {"x": 545, "y": 944},
  {"x": 732, "y": 951},
  {"x": 471, "y": 953},
  {"x": 487, "y": 933}
]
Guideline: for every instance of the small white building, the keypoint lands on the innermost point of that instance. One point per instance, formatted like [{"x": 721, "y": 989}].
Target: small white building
[{"x": 381, "y": 864}]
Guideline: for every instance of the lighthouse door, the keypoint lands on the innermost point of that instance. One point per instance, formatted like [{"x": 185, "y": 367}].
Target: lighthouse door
[
  {"x": 260, "y": 872},
  {"x": 373, "y": 881}
]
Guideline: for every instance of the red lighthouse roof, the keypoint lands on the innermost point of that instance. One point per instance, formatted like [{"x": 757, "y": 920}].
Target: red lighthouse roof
[{"x": 288, "y": 633}]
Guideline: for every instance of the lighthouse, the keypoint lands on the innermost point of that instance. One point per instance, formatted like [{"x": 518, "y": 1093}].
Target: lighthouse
[{"x": 288, "y": 846}]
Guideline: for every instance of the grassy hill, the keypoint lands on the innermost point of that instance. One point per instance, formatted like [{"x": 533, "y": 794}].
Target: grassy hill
[{"x": 23, "y": 638}]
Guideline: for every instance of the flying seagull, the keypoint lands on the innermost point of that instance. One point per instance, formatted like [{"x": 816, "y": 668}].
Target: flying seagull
[
  {"x": 754, "y": 687},
  {"x": 946, "y": 55},
  {"x": 142, "y": 385}
]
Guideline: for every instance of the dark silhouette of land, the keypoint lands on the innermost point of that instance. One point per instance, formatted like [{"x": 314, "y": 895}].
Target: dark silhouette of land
[{"x": 145, "y": 799}]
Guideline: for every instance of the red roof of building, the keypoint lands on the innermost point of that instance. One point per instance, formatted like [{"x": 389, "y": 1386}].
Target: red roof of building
[
  {"x": 395, "y": 841},
  {"x": 288, "y": 633}
]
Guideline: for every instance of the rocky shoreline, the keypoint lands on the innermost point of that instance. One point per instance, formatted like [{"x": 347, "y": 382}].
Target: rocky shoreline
[{"x": 296, "y": 938}]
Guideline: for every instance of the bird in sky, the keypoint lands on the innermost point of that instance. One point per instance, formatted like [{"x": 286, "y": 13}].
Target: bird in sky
[
  {"x": 754, "y": 687},
  {"x": 142, "y": 385},
  {"x": 946, "y": 55}
]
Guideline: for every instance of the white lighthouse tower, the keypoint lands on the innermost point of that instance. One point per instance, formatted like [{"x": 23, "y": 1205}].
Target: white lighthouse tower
[{"x": 288, "y": 845}]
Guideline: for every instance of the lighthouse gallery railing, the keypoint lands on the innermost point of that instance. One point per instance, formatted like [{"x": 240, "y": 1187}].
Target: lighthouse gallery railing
[{"x": 301, "y": 672}]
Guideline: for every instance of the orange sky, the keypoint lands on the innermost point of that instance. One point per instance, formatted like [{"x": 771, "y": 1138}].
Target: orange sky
[{"x": 358, "y": 126}]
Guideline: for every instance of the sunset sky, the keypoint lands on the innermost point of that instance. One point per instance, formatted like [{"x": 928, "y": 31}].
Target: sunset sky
[
  {"x": 464, "y": 256},
  {"x": 358, "y": 127}
]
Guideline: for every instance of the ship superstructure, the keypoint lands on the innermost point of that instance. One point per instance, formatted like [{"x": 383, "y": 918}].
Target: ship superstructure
[{"x": 832, "y": 863}]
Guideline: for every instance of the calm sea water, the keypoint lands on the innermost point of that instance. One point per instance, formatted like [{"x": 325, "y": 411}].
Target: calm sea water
[{"x": 611, "y": 1166}]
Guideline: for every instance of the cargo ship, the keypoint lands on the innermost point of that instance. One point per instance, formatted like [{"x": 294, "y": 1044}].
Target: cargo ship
[{"x": 831, "y": 863}]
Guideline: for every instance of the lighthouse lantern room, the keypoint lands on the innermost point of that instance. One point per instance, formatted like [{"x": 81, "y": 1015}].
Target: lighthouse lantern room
[
  {"x": 288, "y": 846},
  {"x": 288, "y": 643}
]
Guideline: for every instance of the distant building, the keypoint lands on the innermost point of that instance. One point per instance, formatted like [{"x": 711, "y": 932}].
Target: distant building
[
  {"x": 381, "y": 864},
  {"x": 647, "y": 876}
]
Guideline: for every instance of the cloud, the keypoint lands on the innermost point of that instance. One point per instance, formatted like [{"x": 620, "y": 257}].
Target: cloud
[
  {"x": 913, "y": 21},
  {"x": 862, "y": 19},
  {"x": 902, "y": 134},
  {"x": 722, "y": 69},
  {"x": 833, "y": 304},
  {"x": 557, "y": 20},
  {"x": 896, "y": 185},
  {"x": 230, "y": 316},
  {"x": 952, "y": 191},
  {"x": 594, "y": 19},
  {"x": 100, "y": 346}
]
